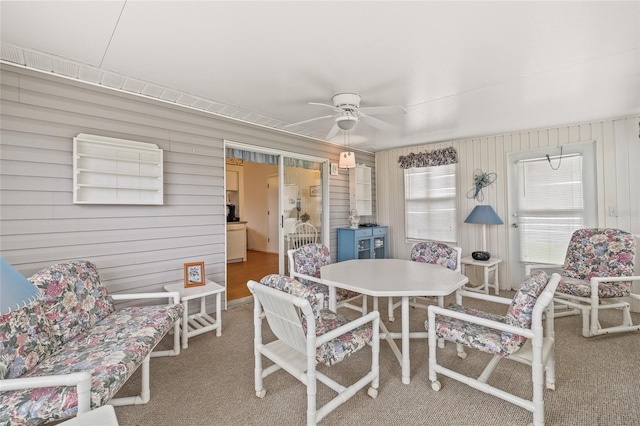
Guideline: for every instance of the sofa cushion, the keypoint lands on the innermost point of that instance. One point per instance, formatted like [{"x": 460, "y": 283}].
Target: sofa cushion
[
  {"x": 111, "y": 351},
  {"x": 25, "y": 339},
  {"x": 74, "y": 298}
]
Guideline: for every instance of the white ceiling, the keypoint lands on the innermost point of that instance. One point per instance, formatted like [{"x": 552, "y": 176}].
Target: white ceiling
[{"x": 461, "y": 69}]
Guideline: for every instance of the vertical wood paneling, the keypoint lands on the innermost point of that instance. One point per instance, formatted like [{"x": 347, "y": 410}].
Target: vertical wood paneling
[{"x": 618, "y": 179}]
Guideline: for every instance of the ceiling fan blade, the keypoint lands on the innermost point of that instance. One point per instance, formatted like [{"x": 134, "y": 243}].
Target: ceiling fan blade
[
  {"x": 395, "y": 109},
  {"x": 325, "y": 105},
  {"x": 334, "y": 131},
  {"x": 308, "y": 121},
  {"x": 378, "y": 124}
]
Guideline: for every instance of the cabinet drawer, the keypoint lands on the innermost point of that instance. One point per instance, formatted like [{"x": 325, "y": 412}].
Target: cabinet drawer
[
  {"x": 363, "y": 233},
  {"x": 379, "y": 231}
]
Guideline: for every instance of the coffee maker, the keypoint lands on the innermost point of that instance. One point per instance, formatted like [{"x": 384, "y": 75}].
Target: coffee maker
[{"x": 231, "y": 213}]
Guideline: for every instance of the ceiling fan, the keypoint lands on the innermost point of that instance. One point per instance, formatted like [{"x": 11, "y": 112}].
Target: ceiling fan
[{"x": 348, "y": 113}]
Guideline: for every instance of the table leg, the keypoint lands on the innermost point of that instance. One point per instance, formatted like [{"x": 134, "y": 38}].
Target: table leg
[
  {"x": 406, "y": 363},
  {"x": 219, "y": 314},
  {"x": 486, "y": 280},
  {"x": 185, "y": 324},
  {"x": 332, "y": 298}
]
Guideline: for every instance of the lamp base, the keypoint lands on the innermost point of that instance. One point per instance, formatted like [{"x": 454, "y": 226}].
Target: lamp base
[{"x": 481, "y": 255}]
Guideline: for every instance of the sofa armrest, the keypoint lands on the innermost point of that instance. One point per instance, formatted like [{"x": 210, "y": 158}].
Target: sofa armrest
[
  {"x": 81, "y": 380},
  {"x": 160, "y": 295}
]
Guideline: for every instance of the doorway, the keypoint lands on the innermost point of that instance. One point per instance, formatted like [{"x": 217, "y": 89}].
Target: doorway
[{"x": 279, "y": 189}]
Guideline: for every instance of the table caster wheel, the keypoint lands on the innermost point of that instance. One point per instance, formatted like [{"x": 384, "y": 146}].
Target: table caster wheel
[
  {"x": 462, "y": 355},
  {"x": 261, "y": 393},
  {"x": 373, "y": 393},
  {"x": 436, "y": 386},
  {"x": 391, "y": 319}
]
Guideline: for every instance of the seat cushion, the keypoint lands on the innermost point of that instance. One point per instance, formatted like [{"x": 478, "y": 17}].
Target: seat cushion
[
  {"x": 344, "y": 345},
  {"x": 111, "y": 351},
  {"x": 582, "y": 288},
  {"x": 74, "y": 298},
  {"x": 25, "y": 339},
  {"x": 435, "y": 253},
  {"x": 474, "y": 336}
]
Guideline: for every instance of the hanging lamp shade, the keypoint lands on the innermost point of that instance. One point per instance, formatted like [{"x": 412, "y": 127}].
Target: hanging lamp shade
[{"x": 347, "y": 160}]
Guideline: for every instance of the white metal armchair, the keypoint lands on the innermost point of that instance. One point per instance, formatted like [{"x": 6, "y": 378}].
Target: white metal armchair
[
  {"x": 304, "y": 265},
  {"x": 597, "y": 275},
  {"x": 519, "y": 336},
  {"x": 435, "y": 253},
  {"x": 306, "y": 336}
]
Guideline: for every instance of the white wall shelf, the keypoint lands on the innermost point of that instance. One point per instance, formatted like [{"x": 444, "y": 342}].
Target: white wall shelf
[
  {"x": 360, "y": 189},
  {"x": 116, "y": 171}
]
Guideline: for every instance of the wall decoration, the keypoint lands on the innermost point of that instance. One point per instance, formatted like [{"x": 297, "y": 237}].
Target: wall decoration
[
  {"x": 194, "y": 274},
  {"x": 480, "y": 180},
  {"x": 315, "y": 191}
]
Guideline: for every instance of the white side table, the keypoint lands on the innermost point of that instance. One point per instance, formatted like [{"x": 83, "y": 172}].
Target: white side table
[
  {"x": 488, "y": 266},
  {"x": 193, "y": 325}
]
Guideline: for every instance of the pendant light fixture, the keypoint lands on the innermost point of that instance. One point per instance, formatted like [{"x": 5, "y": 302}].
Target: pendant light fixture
[{"x": 347, "y": 158}]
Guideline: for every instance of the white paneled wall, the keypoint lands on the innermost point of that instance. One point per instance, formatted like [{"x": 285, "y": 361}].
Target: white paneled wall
[
  {"x": 136, "y": 248},
  {"x": 618, "y": 181}
]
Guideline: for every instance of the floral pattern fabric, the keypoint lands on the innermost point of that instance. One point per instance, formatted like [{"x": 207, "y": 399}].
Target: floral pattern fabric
[
  {"x": 334, "y": 350},
  {"x": 111, "y": 351},
  {"x": 438, "y": 157},
  {"x": 25, "y": 339},
  {"x": 520, "y": 311},
  {"x": 435, "y": 253},
  {"x": 73, "y": 297},
  {"x": 308, "y": 260},
  {"x": 598, "y": 253}
]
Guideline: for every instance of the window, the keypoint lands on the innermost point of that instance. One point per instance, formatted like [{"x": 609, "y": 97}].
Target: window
[
  {"x": 430, "y": 203},
  {"x": 555, "y": 197}
]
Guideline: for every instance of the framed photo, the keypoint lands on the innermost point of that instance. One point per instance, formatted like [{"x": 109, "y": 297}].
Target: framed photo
[
  {"x": 194, "y": 274},
  {"x": 334, "y": 169},
  {"x": 315, "y": 191}
]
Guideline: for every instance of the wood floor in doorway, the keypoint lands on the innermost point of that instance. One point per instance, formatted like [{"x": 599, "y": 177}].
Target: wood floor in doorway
[{"x": 258, "y": 265}]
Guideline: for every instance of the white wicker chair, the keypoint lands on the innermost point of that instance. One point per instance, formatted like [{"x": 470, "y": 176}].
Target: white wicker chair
[
  {"x": 306, "y": 336},
  {"x": 302, "y": 233},
  {"x": 519, "y": 336}
]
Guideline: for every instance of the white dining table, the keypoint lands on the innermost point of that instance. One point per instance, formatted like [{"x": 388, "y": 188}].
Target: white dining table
[{"x": 393, "y": 278}]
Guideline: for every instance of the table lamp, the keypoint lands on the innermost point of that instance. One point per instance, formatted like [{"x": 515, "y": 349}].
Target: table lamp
[
  {"x": 15, "y": 290},
  {"x": 483, "y": 215}
]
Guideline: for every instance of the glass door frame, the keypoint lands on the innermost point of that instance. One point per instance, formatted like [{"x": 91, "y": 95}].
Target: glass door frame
[{"x": 325, "y": 231}]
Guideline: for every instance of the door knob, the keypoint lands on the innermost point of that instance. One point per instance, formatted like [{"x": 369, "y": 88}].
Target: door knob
[{"x": 515, "y": 225}]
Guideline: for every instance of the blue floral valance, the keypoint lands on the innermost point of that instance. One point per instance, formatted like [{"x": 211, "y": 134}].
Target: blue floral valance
[{"x": 438, "y": 157}]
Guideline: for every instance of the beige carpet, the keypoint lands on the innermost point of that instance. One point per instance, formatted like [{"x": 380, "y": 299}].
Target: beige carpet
[{"x": 211, "y": 383}]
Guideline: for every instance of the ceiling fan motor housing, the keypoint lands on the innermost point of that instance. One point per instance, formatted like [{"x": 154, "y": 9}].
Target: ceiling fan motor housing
[{"x": 347, "y": 101}]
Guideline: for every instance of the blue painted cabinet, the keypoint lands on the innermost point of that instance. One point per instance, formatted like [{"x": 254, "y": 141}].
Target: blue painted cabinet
[{"x": 362, "y": 243}]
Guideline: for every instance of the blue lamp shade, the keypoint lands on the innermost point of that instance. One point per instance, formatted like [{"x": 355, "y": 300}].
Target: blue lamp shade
[
  {"x": 484, "y": 215},
  {"x": 15, "y": 290}
]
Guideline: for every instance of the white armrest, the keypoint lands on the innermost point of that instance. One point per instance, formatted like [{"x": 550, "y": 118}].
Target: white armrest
[
  {"x": 81, "y": 380},
  {"x": 529, "y": 267},
  {"x": 161, "y": 295},
  {"x": 436, "y": 310},
  {"x": 487, "y": 297}
]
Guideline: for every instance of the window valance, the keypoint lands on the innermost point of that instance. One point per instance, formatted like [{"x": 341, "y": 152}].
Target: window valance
[{"x": 438, "y": 157}]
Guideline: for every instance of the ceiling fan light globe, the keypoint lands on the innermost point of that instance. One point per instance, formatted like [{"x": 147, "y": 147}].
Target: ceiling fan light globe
[{"x": 347, "y": 122}]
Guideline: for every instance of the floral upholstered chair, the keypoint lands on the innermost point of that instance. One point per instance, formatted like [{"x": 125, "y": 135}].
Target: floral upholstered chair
[
  {"x": 598, "y": 271},
  {"x": 304, "y": 265},
  {"x": 437, "y": 254},
  {"x": 307, "y": 335},
  {"x": 519, "y": 335}
]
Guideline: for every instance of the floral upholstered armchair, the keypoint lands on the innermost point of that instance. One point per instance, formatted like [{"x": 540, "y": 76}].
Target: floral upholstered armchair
[
  {"x": 434, "y": 253},
  {"x": 307, "y": 335},
  {"x": 304, "y": 265},
  {"x": 597, "y": 273}
]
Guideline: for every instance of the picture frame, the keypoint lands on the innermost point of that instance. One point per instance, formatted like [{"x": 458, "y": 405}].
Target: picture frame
[
  {"x": 315, "y": 191},
  {"x": 334, "y": 169},
  {"x": 194, "y": 274}
]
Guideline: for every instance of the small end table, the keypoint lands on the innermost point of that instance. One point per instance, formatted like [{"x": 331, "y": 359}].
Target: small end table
[
  {"x": 201, "y": 322},
  {"x": 489, "y": 266}
]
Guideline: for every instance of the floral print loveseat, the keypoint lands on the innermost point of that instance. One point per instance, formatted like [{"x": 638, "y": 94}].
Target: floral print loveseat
[{"x": 74, "y": 327}]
